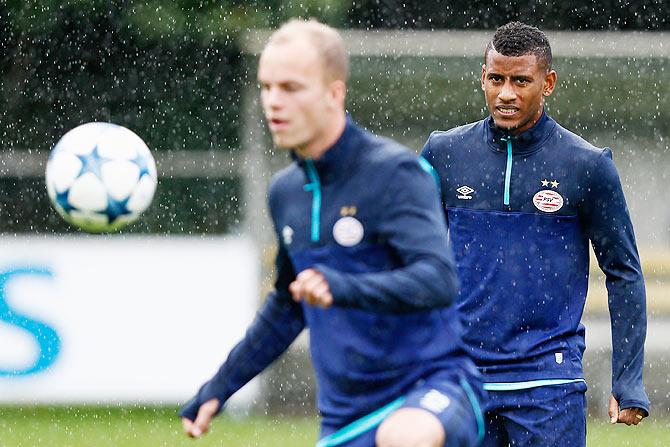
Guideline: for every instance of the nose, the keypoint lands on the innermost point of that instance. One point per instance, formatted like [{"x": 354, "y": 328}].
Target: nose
[
  {"x": 507, "y": 92},
  {"x": 271, "y": 97}
]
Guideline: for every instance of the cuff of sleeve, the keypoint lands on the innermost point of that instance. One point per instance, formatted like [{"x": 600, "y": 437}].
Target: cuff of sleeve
[
  {"x": 210, "y": 391},
  {"x": 339, "y": 286},
  {"x": 190, "y": 410},
  {"x": 634, "y": 403},
  {"x": 206, "y": 392}
]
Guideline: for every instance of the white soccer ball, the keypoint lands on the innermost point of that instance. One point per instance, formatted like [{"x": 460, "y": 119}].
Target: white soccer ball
[{"x": 100, "y": 177}]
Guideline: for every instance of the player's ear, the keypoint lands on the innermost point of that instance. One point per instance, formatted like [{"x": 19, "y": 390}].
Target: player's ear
[
  {"x": 338, "y": 91},
  {"x": 549, "y": 83},
  {"x": 483, "y": 76}
]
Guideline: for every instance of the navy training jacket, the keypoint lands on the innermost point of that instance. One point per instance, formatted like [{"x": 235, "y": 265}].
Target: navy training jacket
[
  {"x": 521, "y": 211},
  {"x": 368, "y": 216}
]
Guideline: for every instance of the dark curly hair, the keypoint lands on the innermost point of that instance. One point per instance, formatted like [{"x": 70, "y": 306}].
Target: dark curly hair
[{"x": 519, "y": 39}]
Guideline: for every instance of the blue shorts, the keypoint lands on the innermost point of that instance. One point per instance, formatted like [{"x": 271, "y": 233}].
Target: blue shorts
[
  {"x": 455, "y": 403},
  {"x": 545, "y": 416}
]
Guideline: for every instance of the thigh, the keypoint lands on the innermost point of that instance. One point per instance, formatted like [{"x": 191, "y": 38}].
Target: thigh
[
  {"x": 408, "y": 427},
  {"x": 548, "y": 416}
]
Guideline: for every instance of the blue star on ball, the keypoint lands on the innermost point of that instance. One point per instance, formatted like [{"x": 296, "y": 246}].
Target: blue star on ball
[{"x": 91, "y": 162}]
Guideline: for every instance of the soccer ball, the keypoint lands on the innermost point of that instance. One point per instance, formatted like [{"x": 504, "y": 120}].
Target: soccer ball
[{"x": 100, "y": 177}]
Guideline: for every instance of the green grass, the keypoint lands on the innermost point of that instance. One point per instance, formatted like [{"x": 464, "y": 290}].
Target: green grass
[
  {"x": 654, "y": 433},
  {"x": 142, "y": 427},
  {"x": 157, "y": 427}
]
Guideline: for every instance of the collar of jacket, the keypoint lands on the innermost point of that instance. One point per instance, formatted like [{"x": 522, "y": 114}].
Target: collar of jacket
[
  {"x": 339, "y": 159},
  {"x": 526, "y": 142}
]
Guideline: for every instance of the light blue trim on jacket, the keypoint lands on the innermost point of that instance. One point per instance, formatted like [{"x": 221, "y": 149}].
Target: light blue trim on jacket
[
  {"x": 314, "y": 186},
  {"x": 425, "y": 164},
  {"x": 508, "y": 170},
  {"x": 514, "y": 386}
]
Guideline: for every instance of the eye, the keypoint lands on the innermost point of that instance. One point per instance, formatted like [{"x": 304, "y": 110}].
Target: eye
[{"x": 292, "y": 87}]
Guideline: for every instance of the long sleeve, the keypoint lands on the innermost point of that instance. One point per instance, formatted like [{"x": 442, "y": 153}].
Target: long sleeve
[
  {"x": 610, "y": 230},
  {"x": 278, "y": 322},
  {"x": 413, "y": 228}
]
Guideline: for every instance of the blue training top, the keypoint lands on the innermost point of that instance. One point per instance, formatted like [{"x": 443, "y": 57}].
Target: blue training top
[
  {"x": 368, "y": 216},
  {"x": 521, "y": 211}
]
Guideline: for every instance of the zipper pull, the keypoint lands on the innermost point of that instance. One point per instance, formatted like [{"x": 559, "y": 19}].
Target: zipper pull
[
  {"x": 508, "y": 169},
  {"x": 315, "y": 188}
]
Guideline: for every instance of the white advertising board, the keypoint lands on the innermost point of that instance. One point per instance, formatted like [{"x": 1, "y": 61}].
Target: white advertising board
[{"x": 120, "y": 319}]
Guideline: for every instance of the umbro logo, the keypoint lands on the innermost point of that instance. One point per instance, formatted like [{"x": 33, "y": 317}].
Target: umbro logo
[{"x": 464, "y": 192}]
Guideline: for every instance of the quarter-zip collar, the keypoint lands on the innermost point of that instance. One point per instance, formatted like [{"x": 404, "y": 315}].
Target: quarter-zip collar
[
  {"x": 339, "y": 158},
  {"x": 336, "y": 162},
  {"x": 524, "y": 143}
]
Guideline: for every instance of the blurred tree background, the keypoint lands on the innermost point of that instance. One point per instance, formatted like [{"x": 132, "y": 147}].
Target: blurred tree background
[{"x": 173, "y": 72}]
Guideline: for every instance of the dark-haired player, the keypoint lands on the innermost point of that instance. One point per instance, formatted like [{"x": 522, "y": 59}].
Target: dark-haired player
[
  {"x": 524, "y": 197},
  {"x": 363, "y": 261}
]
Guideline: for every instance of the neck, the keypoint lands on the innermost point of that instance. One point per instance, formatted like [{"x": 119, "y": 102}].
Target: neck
[
  {"x": 317, "y": 147},
  {"x": 530, "y": 125}
]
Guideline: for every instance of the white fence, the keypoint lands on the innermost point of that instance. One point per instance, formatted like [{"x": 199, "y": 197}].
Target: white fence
[{"x": 110, "y": 319}]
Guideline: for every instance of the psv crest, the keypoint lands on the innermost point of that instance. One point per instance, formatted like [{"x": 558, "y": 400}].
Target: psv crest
[
  {"x": 348, "y": 231},
  {"x": 548, "y": 201}
]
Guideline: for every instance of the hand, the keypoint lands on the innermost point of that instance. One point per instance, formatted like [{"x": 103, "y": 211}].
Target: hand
[
  {"x": 206, "y": 413},
  {"x": 313, "y": 287},
  {"x": 628, "y": 416}
]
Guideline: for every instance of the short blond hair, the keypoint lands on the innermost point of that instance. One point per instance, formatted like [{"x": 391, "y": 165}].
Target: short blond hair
[{"x": 325, "y": 39}]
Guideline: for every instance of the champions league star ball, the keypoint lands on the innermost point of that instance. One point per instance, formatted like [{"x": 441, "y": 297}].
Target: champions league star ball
[{"x": 100, "y": 177}]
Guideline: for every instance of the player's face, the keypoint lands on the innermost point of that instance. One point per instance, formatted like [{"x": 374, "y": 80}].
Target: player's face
[
  {"x": 297, "y": 101},
  {"x": 515, "y": 87}
]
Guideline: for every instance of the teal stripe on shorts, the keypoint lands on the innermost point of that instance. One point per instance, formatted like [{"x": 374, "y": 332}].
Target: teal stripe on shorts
[
  {"x": 360, "y": 426},
  {"x": 476, "y": 408}
]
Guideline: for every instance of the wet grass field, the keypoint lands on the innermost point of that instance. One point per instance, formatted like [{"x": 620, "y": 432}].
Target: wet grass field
[{"x": 154, "y": 427}]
